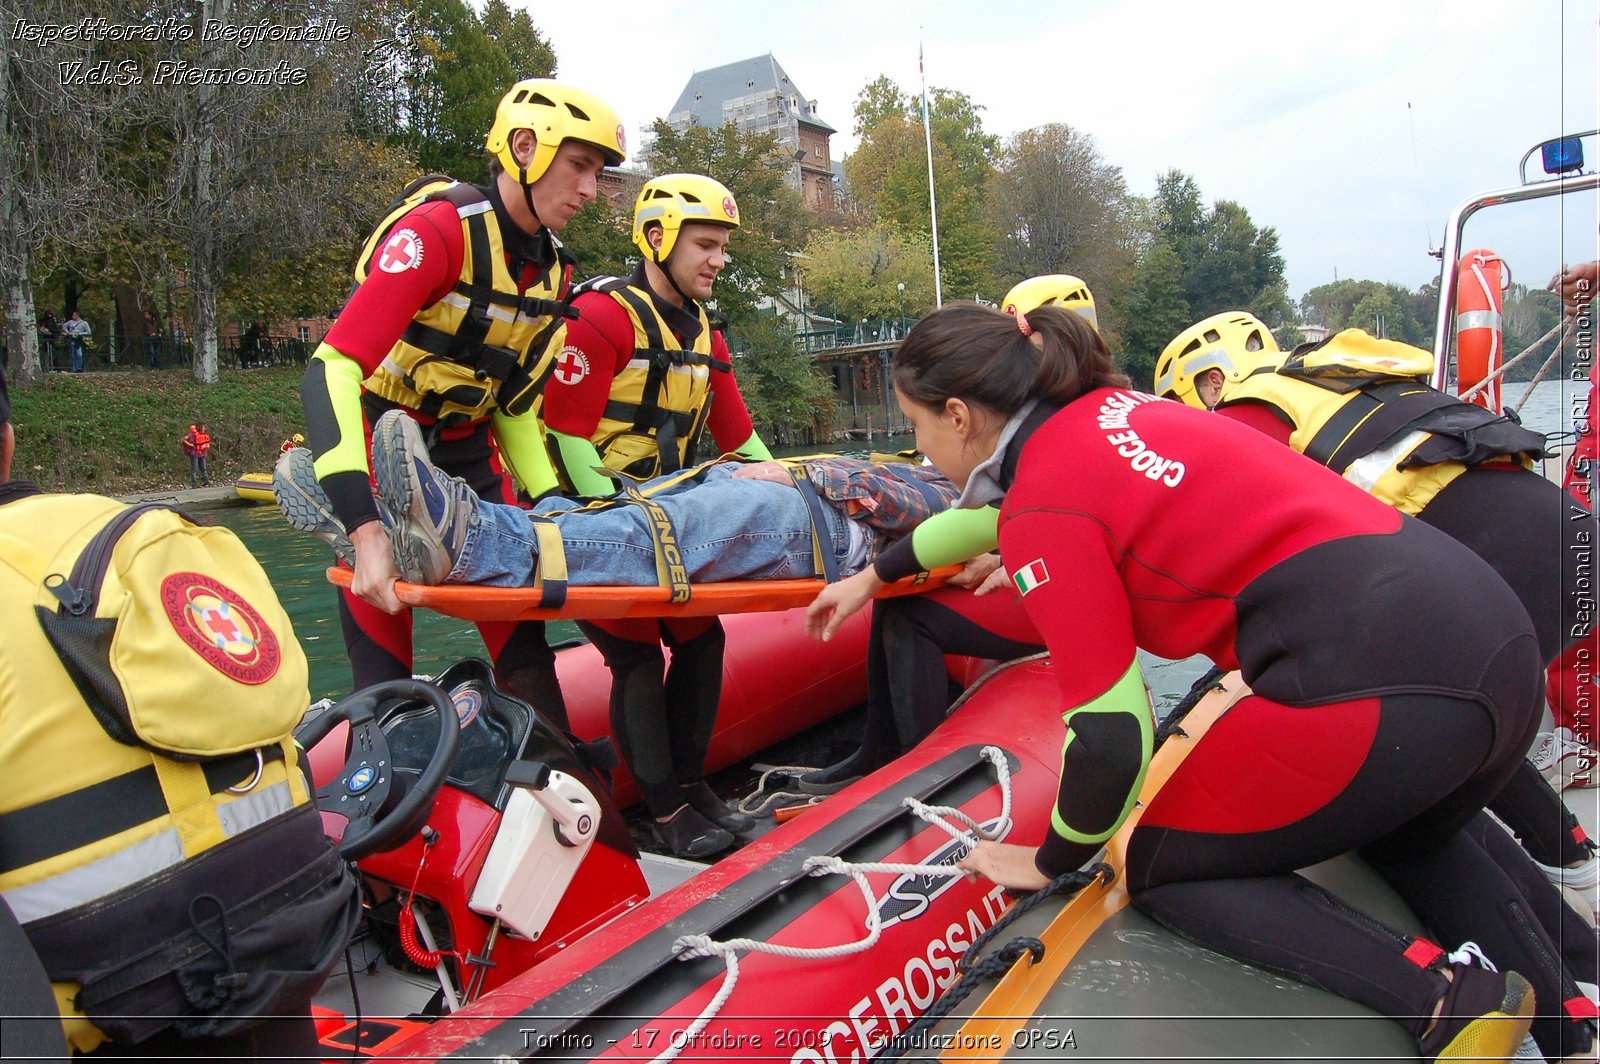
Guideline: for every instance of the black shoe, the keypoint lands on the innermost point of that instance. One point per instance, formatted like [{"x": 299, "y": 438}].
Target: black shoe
[
  {"x": 688, "y": 834},
  {"x": 841, "y": 774},
  {"x": 704, "y": 801}
]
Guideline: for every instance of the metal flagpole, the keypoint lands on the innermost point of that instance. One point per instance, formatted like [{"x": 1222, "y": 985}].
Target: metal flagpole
[{"x": 933, "y": 207}]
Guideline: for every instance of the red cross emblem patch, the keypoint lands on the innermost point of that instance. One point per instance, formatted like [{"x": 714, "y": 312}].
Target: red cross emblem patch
[
  {"x": 730, "y": 208},
  {"x": 221, "y": 627},
  {"x": 402, "y": 251},
  {"x": 571, "y": 366}
]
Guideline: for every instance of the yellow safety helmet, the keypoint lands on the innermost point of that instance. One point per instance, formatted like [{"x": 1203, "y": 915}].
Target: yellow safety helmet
[
  {"x": 555, "y": 112},
  {"x": 671, "y": 200},
  {"x": 1235, "y": 342},
  {"x": 297, "y": 439},
  {"x": 1058, "y": 289}
]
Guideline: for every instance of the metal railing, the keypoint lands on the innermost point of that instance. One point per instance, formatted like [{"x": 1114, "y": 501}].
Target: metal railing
[
  {"x": 869, "y": 331},
  {"x": 141, "y": 353}
]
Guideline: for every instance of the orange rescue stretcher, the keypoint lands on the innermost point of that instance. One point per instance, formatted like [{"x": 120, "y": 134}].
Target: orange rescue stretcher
[{"x": 471, "y": 602}]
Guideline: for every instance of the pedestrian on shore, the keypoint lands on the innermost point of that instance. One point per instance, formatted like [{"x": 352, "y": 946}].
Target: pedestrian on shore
[
  {"x": 197, "y": 444},
  {"x": 152, "y": 340},
  {"x": 76, "y": 330},
  {"x": 49, "y": 333}
]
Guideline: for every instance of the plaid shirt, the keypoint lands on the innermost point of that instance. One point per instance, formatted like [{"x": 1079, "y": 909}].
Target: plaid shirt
[{"x": 891, "y": 499}]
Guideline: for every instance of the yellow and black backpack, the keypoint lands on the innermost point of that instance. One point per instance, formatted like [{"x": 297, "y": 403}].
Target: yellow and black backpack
[{"x": 158, "y": 839}]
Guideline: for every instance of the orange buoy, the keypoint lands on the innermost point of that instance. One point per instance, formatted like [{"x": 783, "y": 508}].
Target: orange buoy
[{"x": 1480, "y": 346}]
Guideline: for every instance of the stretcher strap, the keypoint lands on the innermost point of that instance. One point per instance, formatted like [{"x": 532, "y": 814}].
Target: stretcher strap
[
  {"x": 550, "y": 572},
  {"x": 670, "y": 570},
  {"x": 823, "y": 559}
]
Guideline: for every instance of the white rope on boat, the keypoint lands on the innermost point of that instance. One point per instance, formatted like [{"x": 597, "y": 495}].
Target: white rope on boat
[
  {"x": 1497, "y": 374},
  {"x": 760, "y": 800},
  {"x": 1549, "y": 362},
  {"x": 692, "y": 947}
]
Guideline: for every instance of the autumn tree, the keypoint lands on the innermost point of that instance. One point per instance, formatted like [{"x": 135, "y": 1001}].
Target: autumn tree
[
  {"x": 790, "y": 402},
  {"x": 1060, "y": 207},
  {"x": 1153, "y": 312},
  {"x": 55, "y": 187},
  {"x": 1362, "y": 304},
  {"x": 858, "y": 273},
  {"x": 1229, "y": 263},
  {"x": 601, "y": 236},
  {"x": 259, "y": 158},
  {"x": 888, "y": 176}
]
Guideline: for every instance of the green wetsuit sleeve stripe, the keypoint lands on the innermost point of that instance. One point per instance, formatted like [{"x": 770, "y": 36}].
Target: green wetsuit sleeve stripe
[
  {"x": 522, "y": 452},
  {"x": 1126, "y": 697},
  {"x": 955, "y": 536},
  {"x": 331, "y": 395},
  {"x": 754, "y": 448},
  {"x": 578, "y": 458}
]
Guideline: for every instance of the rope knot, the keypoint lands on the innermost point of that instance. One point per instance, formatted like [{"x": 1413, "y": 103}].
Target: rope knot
[
  {"x": 1013, "y": 950},
  {"x": 825, "y": 865},
  {"x": 689, "y": 947}
]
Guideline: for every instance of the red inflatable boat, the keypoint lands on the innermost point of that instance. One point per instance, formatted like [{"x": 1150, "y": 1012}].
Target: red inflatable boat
[{"x": 525, "y": 890}]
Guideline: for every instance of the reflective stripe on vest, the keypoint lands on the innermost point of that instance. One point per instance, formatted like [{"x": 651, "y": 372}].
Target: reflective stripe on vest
[
  {"x": 662, "y": 391},
  {"x": 124, "y": 867},
  {"x": 1365, "y": 432},
  {"x": 1311, "y": 408}
]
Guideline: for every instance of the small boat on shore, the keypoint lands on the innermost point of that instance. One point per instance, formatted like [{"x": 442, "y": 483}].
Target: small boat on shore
[{"x": 254, "y": 487}]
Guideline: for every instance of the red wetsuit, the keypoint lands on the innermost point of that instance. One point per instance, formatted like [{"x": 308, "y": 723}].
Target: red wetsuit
[
  {"x": 603, "y": 333},
  {"x": 662, "y": 717},
  {"x": 1374, "y": 646},
  {"x": 380, "y": 309}
]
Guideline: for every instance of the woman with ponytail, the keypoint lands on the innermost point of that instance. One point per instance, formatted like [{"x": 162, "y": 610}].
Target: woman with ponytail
[{"x": 1374, "y": 646}]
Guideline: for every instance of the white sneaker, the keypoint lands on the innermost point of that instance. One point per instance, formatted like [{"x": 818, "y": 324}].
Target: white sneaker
[
  {"x": 1563, "y": 760},
  {"x": 1584, "y": 881}
]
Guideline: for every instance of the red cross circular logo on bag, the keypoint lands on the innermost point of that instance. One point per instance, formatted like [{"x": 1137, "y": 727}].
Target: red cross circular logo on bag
[{"x": 221, "y": 627}]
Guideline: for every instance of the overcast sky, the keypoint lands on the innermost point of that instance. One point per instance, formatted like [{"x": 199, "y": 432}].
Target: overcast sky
[{"x": 1304, "y": 113}]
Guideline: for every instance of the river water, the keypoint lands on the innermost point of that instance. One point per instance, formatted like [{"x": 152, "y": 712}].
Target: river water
[{"x": 296, "y": 564}]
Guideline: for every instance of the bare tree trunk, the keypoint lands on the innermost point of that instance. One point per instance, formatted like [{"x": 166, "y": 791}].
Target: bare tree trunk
[
  {"x": 203, "y": 278},
  {"x": 22, "y": 342},
  {"x": 205, "y": 265}
]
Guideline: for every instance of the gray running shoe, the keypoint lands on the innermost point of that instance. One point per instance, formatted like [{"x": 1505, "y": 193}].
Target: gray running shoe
[
  {"x": 432, "y": 511},
  {"x": 305, "y": 505}
]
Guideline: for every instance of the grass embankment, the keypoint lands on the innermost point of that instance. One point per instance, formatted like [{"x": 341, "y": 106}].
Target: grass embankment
[{"x": 120, "y": 432}]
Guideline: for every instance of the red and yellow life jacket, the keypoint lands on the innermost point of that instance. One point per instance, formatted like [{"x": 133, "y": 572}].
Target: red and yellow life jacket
[
  {"x": 659, "y": 402},
  {"x": 484, "y": 345},
  {"x": 1359, "y": 406}
]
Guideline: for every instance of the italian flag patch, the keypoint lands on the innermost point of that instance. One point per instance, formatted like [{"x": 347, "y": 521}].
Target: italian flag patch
[{"x": 1031, "y": 576}]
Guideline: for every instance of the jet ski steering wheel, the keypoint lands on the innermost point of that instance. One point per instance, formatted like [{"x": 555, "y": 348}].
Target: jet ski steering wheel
[{"x": 384, "y": 807}]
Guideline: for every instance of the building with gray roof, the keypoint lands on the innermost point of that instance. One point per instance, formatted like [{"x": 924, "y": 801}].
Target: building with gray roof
[{"x": 758, "y": 96}]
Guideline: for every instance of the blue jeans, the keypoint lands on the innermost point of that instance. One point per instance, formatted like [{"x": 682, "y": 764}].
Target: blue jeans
[
  {"x": 727, "y": 529},
  {"x": 75, "y": 353}
]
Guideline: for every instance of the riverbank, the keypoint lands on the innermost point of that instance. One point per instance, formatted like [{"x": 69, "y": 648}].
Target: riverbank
[{"x": 119, "y": 432}]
